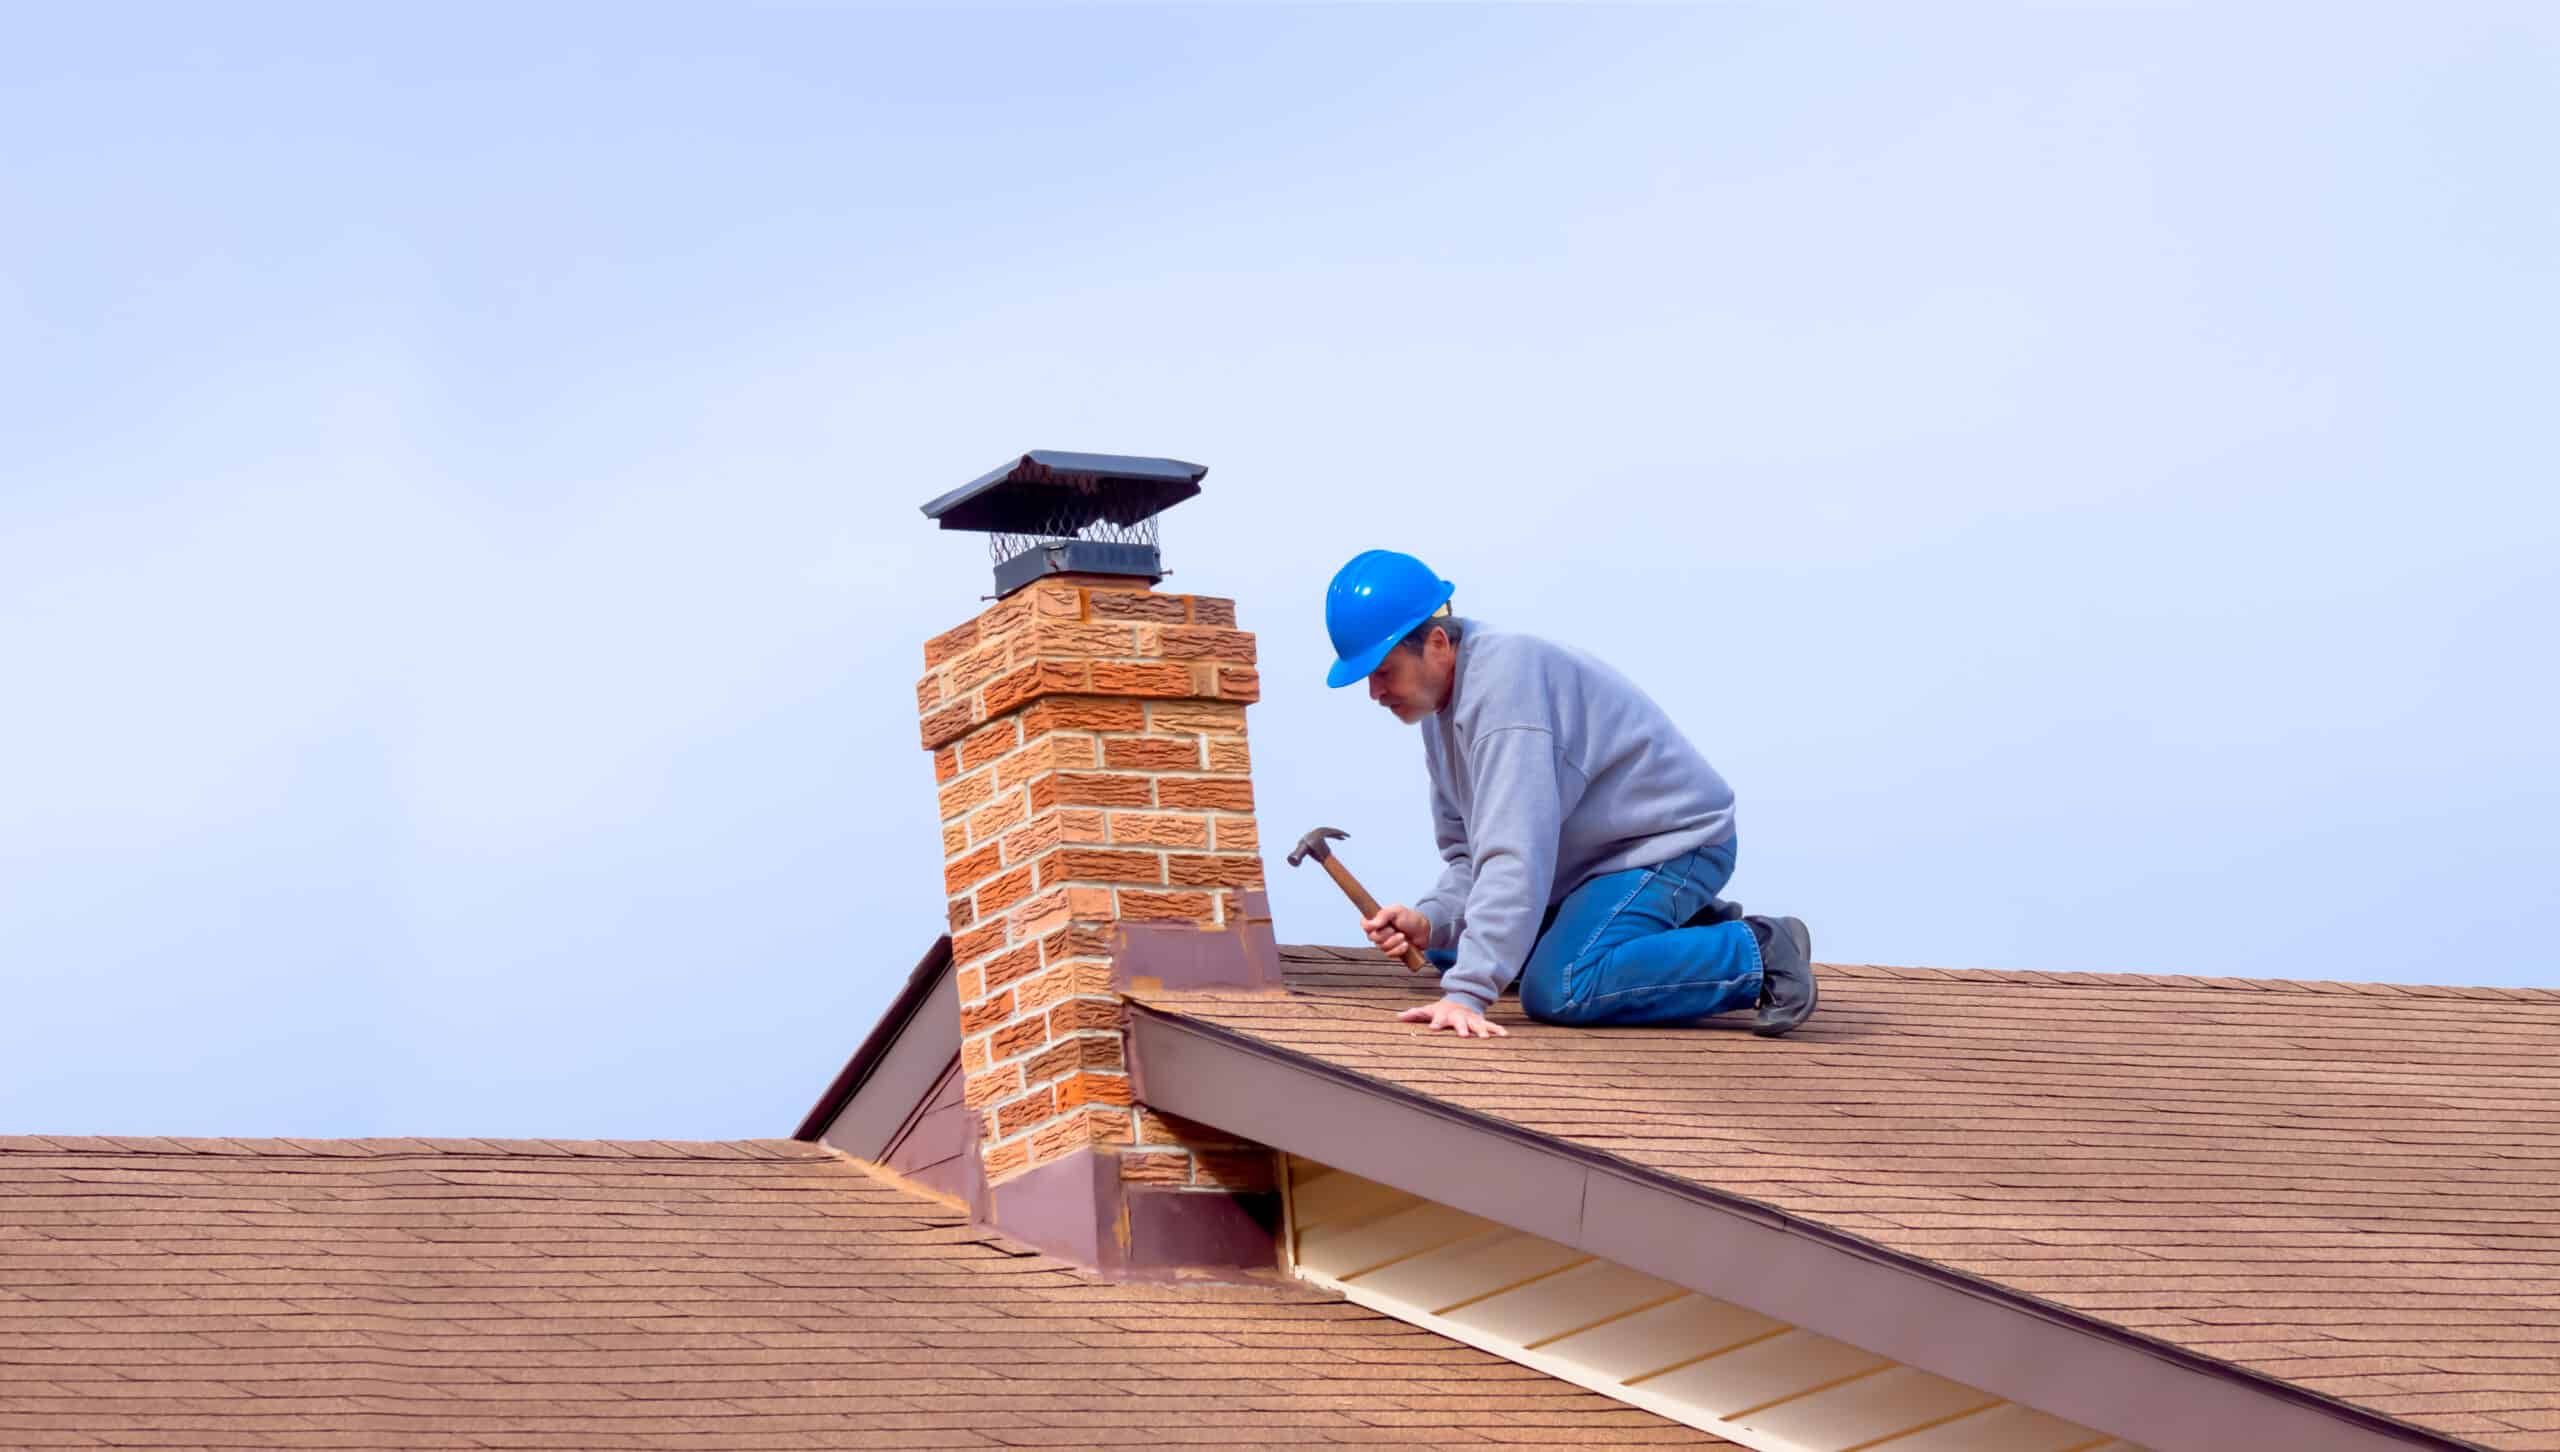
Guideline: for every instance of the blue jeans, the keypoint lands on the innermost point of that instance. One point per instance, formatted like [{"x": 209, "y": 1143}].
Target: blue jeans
[{"x": 1615, "y": 951}]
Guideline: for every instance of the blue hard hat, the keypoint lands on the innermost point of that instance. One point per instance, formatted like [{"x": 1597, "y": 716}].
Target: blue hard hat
[{"x": 1376, "y": 600}]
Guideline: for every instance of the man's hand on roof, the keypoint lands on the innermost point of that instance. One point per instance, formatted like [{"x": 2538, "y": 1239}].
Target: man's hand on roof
[
  {"x": 1396, "y": 928},
  {"x": 1450, "y": 1014}
]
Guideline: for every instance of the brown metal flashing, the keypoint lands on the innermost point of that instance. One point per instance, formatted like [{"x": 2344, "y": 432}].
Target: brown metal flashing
[
  {"x": 921, "y": 992},
  {"x": 1080, "y": 1210},
  {"x": 921, "y": 1120},
  {"x": 1055, "y": 1207},
  {"x": 1149, "y": 955},
  {"x": 1915, "y": 1311},
  {"x": 937, "y": 1146},
  {"x": 1214, "y": 1232}
]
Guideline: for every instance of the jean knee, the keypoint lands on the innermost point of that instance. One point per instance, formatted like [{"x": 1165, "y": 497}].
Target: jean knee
[{"x": 1543, "y": 997}]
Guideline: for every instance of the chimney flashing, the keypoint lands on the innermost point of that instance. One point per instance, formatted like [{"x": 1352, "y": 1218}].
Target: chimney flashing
[{"x": 1081, "y": 1210}]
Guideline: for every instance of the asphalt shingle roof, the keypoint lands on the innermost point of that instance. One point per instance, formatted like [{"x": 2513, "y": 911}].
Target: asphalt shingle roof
[
  {"x": 2352, "y": 1187},
  {"x": 433, "y": 1294}
]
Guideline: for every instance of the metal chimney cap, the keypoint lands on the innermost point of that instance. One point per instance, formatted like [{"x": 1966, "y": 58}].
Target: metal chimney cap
[
  {"x": 1056, "y": 513},
  {"x": 1053, "y": 493}
]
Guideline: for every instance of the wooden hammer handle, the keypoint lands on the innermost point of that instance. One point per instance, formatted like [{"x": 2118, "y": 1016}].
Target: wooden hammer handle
[{"x": 1368, "y": 906}]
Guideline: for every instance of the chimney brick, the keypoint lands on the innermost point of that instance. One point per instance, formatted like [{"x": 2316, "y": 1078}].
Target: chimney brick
[
  {"x": 1101, "y": 864},
  {"x": 1188, "y": 906},
  {"x": 1036, "y": 838},
  {"x": 1077, "y": 1014},
  {"x": 1006, "y": 1160},
  {"x": 1223, "y": 718},
  {"x": 1020, "y": 1037},
  {"x": 1225, "y": 794},
  {"x": 1003, "y": 892},
  {"x": 1010, "y": 966},
  {"x": 1156, "y": 1168},
  {"x": 1083, "y": 713},
  {"x": 963, "y": 872},
  {"x": 1006, "y": 811},
  {"x": 984, "y": 1013},
  {"x": 985, "y": 745},
  {"x": 1158, "y": 829},
  {"x": 1177, "y": 642},
  {"x": 977, "y": 943},
  {"x": 1137, "y": 605},
  {"x": 1151, "y": 753},
  {"x": 1186, "y": 870},
  {"x": 950, "y": 643},
  {"x": 1018, "y": 1116}
]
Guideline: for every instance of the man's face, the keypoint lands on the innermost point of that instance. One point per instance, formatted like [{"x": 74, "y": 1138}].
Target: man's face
[{"x": 1413, "y": 685}]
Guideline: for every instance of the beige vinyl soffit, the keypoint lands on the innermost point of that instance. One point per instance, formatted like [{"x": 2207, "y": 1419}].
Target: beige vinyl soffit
[{"x": 1715, "y": 1366}]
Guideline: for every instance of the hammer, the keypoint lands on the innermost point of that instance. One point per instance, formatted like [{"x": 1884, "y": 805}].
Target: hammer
[{"x": 1313, "y": 845}]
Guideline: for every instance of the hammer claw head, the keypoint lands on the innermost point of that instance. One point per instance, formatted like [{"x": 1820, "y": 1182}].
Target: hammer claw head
[{"x": 1312, "y": 845}]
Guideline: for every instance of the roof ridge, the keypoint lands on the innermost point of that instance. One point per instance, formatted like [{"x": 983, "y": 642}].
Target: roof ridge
[
  {"x": 2054, "y": 978},
  {"x": 385, "y": 1147}
]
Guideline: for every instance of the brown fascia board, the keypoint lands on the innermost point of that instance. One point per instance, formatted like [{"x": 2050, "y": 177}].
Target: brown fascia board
[
  {"x": 896, "y": 1066},
  {"x": 1919, "y": 1313}
]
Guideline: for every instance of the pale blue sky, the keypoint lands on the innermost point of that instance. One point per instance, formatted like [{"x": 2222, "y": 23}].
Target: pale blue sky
[{"x": 2083, "y": 471}]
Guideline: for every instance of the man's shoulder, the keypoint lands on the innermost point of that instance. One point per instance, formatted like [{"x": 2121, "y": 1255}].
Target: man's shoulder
[
  {"x": 1491, "y": 640},
  {"x": 1516, "y": 651},
  {"x": 1509, "y": 672},
  {"x": 1516, "y": 668}
]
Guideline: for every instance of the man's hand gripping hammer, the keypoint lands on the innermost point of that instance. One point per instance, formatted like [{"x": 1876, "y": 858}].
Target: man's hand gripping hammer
[{"x": 1314, "y": 845}]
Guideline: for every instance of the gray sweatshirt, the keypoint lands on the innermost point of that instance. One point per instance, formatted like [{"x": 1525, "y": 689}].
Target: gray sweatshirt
[{"x": 1548, "y": 768}]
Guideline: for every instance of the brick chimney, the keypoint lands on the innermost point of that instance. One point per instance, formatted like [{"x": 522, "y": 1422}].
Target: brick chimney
[{"x": 1096, "y": 795}]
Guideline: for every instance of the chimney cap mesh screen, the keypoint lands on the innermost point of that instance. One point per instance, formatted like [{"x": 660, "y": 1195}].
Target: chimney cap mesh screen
[{"x": 1004, "y": 544}]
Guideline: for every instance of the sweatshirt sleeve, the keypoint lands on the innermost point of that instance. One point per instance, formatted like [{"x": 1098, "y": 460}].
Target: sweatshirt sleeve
[
  {"x": 1521, "y": 796},
  {"x": 1446, "y": 904}
]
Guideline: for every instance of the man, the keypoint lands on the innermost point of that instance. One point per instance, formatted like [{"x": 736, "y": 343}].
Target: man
[{"x": 1586, "y": 839}]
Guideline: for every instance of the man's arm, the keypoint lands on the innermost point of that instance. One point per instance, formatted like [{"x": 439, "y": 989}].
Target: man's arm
[
  {"x": 1521, "y": 796},
  {"x": 1445, "y": 906}
]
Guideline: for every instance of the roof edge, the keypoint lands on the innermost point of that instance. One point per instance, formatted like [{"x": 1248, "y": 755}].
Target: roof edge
[
  {"x": 2137, "y": 1387},
  {"x": 849, "y": 1080}
]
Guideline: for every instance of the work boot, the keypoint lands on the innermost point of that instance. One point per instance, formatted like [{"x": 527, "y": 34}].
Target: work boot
[
  {"x": 1786, "y": 974},
  {"x": 1717, "y": 910}
]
